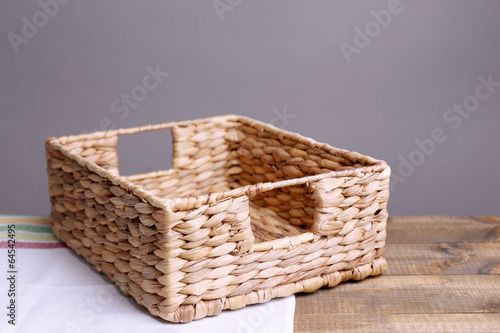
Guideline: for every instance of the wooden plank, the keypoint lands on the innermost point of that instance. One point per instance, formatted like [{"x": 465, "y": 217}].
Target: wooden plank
[
  {"x": 406, "y": 295},
  {"x": 457, "y": 323},
  {"x": 443, "y": 276},
  {"x": 455, "y": 220},
  {"x": 405, "y": 229},
  {"x": 442, "y": 258}
]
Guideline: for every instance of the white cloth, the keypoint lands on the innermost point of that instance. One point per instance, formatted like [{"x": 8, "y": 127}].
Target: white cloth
[{"x": 57, "y": 291}]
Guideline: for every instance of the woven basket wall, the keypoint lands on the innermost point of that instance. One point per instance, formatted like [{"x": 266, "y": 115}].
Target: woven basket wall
[{"x": 248, "y": 212}]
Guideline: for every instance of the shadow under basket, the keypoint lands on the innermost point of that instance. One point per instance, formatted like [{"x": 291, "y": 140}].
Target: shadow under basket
[{"x": 247, "y": 213}]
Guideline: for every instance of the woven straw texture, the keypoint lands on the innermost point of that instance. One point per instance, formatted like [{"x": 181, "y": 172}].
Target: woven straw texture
[{"x": 248, "y": 212}]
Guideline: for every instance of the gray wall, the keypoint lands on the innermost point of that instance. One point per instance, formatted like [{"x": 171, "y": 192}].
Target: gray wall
[{"x": 302, "y": 65}]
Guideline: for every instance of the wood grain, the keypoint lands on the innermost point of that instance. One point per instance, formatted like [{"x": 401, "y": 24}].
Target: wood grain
[
  {"x": 443, "y": 276},
  {"x": 457, "y": 323},
  {"x": 409, "y": 294},
  {"x": 442, "y": 229},
  {"x": 442, "y": 258}
]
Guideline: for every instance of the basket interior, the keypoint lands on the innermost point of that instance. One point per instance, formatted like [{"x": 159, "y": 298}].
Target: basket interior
[{"x": 211, "y": 157}]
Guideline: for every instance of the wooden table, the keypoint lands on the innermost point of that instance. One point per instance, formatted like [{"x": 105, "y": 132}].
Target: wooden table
[{"x": 443, "y": 276}]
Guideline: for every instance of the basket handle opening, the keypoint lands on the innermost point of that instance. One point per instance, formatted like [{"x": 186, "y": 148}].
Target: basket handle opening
[
  {"x": 144, "y": 152},
  {"x": 332, "y": 200}
]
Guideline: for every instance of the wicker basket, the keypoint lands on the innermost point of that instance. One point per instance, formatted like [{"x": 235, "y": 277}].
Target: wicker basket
[{"x": 248, "y": 212}]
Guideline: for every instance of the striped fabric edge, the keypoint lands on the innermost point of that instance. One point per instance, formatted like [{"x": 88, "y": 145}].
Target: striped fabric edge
[
  {"x": 33, "y": 245},
  {"x": 31, "y": 232}
]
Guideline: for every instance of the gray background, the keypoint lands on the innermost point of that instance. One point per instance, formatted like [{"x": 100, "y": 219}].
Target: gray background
[{"x": 263, "y": 59}]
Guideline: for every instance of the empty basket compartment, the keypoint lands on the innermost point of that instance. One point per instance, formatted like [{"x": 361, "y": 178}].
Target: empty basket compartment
[{"x": 247, "y": 213}]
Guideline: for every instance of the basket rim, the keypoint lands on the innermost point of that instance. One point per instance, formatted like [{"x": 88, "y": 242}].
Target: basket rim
[{"x": 173, "y": 204}]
